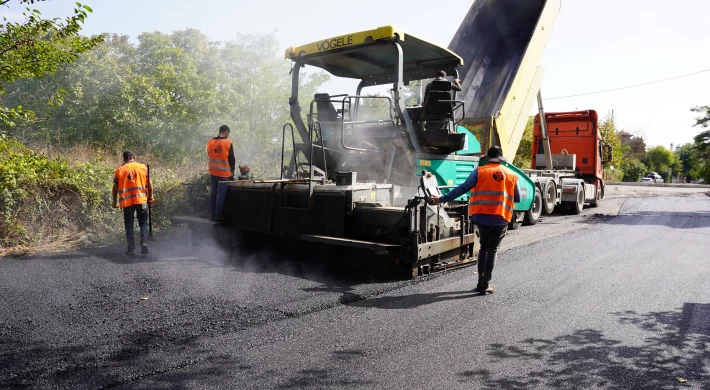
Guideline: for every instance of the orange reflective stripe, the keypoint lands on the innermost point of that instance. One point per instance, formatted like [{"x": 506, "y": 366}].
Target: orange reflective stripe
[
  {"x": 493, "y": 193},
  {"x": 132, "y": 189}
]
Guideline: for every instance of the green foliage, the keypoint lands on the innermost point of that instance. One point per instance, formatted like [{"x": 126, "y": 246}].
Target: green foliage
[
  {"x": 633, "y": 170},
  {"x": 660, "y": 159},
  {"x": 635, "y": 148},
  {"x": 166, "y": 95},
  {"x": 43, "y": 199},
  {"x": 523, "y": 157},
  {"x": 699, "y": 159},
  {"x": 687, "y": 157},
  {"x": 610, "y": 135},
  {"x": 704, "y": 120},
  {"x": 36, "y": 47},
  {"x": 702, "y": 144},
  {"x": 374, "y": 108}
]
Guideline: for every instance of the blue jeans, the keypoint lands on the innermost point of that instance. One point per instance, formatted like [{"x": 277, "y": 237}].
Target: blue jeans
[
  {"x": 141, "y": 210},
  {"x": 217, "y": 195}
]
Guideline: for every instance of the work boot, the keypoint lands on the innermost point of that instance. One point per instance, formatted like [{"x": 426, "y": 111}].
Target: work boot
[
  {"x": 144, "y": 250},
  {"x": 131, "y": 251},
  {"x": 212, "y": 218},
  {"x": 480, "y": 287},
  {"x": 484, "y": 289},
  {"x": 487, "y": 288}
]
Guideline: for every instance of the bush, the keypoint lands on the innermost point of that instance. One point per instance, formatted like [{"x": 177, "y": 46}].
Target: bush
[
  {"x": 48, "y": 203},
  {"x": 633, "y": 170},
  {"x": 45, "y": 200},
  {"x": 613, "y": 175}
]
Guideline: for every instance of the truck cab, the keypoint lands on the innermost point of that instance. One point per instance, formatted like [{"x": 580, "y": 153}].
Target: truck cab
[{"x": 576, "y": 147}]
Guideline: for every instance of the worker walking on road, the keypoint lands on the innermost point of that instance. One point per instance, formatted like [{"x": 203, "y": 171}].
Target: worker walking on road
[
  {"x": 220, "y": 152},
  {"x": 494, "y": 188},
  {"x": 134, "y": 190}
]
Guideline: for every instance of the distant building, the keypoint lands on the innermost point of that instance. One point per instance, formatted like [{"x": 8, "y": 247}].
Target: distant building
[{"x": 625, "y": 137}]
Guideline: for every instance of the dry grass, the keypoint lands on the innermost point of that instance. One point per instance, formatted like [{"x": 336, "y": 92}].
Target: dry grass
[
  {"x": 50, "y": 245},
  {"x": 52, "y": 222},
  {"x": 82, "y": 153}
]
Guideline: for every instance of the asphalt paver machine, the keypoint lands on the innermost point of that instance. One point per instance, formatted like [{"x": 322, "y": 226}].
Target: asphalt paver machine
[{"x": 357, "y": 183}]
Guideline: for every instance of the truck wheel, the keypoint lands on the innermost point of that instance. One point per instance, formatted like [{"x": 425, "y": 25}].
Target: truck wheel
[
  {"x": 578, "y": 206},
  {"x": 548, "y": 201},
  {"x": 533, "y": 215},
  {"x": 515, "y": 223},
  {"x": 595, "y": 201}
]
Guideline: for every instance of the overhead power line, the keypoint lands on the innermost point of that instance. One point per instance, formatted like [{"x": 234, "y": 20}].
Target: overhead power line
[{"x": 630, "y": 86}]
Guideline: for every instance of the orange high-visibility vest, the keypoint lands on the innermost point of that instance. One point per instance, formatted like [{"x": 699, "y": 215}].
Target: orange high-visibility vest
[
  {"x": 218, "y": 154},
  {"x": 495, "y": 191},
  {"x": 132, "y": 184}
]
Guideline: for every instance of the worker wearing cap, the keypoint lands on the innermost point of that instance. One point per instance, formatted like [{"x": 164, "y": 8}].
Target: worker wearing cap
[
  {"x": 133, "y": 190},
  {"x": 220, "y": 152},
  {"x": 441, "y": 76},
  {"x": 494, "y": 189}
]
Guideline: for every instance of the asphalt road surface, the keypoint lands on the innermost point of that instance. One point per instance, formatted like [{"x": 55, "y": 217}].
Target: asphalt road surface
[{"x": 617, "y": 298}]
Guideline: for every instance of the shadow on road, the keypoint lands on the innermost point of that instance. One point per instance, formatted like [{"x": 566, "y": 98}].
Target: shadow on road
[
  {"x": 676, "y": 345},
  {"x": 329, "y": 377},
  {"x": 670, "y": 219},
  {"x": 220, "y": 369},
  {"x": 413, "y": 301}
]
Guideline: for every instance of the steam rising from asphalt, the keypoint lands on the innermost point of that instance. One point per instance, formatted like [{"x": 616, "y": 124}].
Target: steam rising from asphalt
[{"x": 237, "y": 254}]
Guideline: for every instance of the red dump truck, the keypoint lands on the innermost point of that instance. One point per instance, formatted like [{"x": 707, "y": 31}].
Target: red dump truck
[{"x": 567, "y": 156}]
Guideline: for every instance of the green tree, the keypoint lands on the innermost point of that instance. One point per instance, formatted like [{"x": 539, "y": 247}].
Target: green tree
[
  {"x": 610, "y": 136},
  {"x": 701, "y": 156},
  {"x": 633, "y": 170},
  {"x": 704, "y": 120},
  {"x": 36, "y": 47},
  {"x": 660, "y": 159},
  {"x": 687, "y": 156},
  {"x": 167, "y": 95},
  {"x": 523, "y": 156},
  {"x": 635, "y": 148}
]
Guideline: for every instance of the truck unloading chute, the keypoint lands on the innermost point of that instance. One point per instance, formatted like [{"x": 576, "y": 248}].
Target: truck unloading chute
[{"x": 501, "y": 43}]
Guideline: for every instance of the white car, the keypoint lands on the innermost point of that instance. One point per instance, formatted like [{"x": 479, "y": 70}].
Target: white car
[
  {"x": 646, "y": 180},
  {"x": 655, "y": 177}
]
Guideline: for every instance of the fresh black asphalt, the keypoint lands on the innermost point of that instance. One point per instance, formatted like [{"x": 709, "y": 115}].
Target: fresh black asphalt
[{"x": 621, "y": 303}]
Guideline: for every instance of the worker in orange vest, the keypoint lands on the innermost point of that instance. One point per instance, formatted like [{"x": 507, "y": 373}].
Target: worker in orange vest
[
  {"x": 134, "y": 190},
  {"x": 494, "y": 188},
  {"x": 220, "y": 152}
]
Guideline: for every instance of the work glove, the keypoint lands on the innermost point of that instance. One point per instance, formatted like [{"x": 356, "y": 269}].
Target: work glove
[{"x": 231, "y": 178}]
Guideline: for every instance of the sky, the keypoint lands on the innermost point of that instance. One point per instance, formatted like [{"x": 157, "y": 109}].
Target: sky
[{"x": 595, "y": 45}]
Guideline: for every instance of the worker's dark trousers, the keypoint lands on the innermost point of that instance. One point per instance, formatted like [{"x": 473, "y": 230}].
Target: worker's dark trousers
[
  {"x": 217, "y": 194},
  {"x": 129, "y": 213},
  {"x": 491, "y": 237}
]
